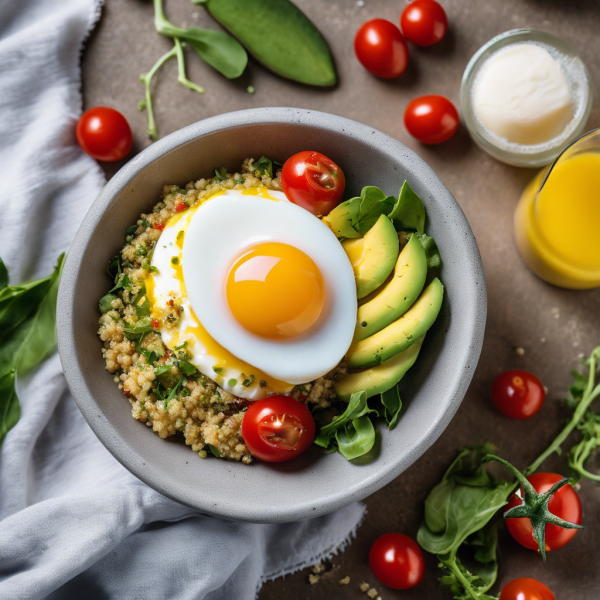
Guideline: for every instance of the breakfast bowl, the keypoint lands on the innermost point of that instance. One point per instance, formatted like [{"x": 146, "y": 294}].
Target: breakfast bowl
[{"x": 314, "y": 483}]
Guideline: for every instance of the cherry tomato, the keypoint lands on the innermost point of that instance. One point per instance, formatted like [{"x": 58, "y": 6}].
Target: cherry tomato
[
  {"x": 526, "y": 588},
  {"x": 381, "y": 49},
  {"x": 104, "y": 133},
  {"x": 431, "y": 119},
  {"x": 278, "y": 428},
  {"x": 424, "y": 22},
  {"x": 397, "y": 561},
  {"x": 518, "y": 394},
  {"x": 313, "y": 181},
  {"x": 180, "y": 206},
  {"x": 564, "y": 504}
]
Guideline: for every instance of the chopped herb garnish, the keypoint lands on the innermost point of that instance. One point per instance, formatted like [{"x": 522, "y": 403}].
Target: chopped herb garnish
[
  {"x": 145, "y": 223},
  {"x": 240, "y": 180},
  {"x": 187, "y": 368},
  {"x": 263, "y": 383},
  {"x": 105, "y": 303},
  {"x": 263, "y": 166},
  {"x": 221, "y": 173},
  {"x": 217, "y": 369},
  {"x": 175, "y": 260},
  {"x": 232, "y": 382},
  {"x": 248, "y": 382},
  {"x": 215, "y": 451},
  {"x": 131, "y": 229}
]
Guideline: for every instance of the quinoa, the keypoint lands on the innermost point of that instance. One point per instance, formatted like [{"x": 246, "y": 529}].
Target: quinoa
[{"x": 161, "y": 395}]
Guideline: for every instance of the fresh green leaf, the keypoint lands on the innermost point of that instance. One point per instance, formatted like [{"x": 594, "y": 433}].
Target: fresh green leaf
[
  {"x": 432, "y": 253},
  {"x": 215, "y": 451},
  {"x": 263, "y": 166},
  {"x": 392, "y": 405},
  {"x": 580, "y": 452},
  {"x": 105, "y": 303},
  {"x": 374, "y": 203},
  {"x": 462, "y": 583},
  {"x": 32, "y": 336},
  {"x": 408, "y": 212},
  {"x": 187, "y": 368},
  {"x": 141, "y": 303},
  {"x": 221, "y": 173},
  {"x": 357, "y": 408},
  {"x": 356, "y": 438},
  {"x": 135, "y": 331},
  {"x": 280, "y": 36},
  {"x": 9, "y": 403},
  {"x": 3, "y": 275},
  {"x": 131, "y": 229}
]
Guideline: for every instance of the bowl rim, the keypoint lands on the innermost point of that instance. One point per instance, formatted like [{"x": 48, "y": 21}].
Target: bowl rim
[{"x": 151, "y": 475}]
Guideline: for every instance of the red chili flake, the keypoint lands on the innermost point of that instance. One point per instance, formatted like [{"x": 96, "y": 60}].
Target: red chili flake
[
  {"x": 168, "y": 352},
  {"x": 179, "y": 206},
  {"x": 155, "y": 323},
  {"x": 302, "y": 397},
  {"x": 159, "y": 226},
  {"x": 170, "y": 302},
  {"x": 126, "y": 392}
]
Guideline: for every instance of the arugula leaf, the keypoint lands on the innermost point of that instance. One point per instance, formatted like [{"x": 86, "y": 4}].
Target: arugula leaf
[
  {"x": 580, "y": 452},
  {"x": 264, "y": 166},
  {"x": 408, "y": 212},
  {"x": 141, "y": 303},
  {"x": 356, "y": 438},
  {"x": 9, "y": 403},
  {"x": 392, "y": 405},
  {"x": 3, "y": 275},
  {"x": 465, "y": 585},
  {"x": 221, "y": 173},
  {"x": 215, "y": 451},
  {"x": 105, "y": 303}
]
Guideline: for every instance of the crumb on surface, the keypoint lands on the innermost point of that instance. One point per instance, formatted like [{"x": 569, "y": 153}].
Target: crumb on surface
[
  {"x": 364, "y": 586},
  {"x": 520, "y": 351},
  {"x": 318, "y": 568},
  {"x": 312, "y": 579},
  {"x": 344, "y": 580},
  {"x": 372, "y": 593}
]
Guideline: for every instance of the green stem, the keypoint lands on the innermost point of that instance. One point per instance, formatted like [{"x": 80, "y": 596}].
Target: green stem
[
  {"x": 450, "y": 564},
  {"x": 146, "y": 79},
  {"x": 588, "y": 397},
  {"x": 182, "y": 78}
]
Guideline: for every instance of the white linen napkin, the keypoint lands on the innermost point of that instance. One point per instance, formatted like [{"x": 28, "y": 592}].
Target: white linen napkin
[{"x": 73, "y": 522}]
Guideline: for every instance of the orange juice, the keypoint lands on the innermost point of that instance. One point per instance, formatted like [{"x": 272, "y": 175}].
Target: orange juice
[{"x": 558, "y": 226}]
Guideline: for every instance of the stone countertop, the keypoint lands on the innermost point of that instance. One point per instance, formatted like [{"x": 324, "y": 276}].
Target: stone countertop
[{"x": 553, "y": 326}]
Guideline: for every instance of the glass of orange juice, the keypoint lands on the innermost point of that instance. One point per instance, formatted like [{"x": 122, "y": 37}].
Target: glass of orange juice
[{"x": 557, "y": 221}]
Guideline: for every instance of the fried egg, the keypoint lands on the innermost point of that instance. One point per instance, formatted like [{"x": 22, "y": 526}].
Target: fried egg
[{"x": 267, "y": 292}]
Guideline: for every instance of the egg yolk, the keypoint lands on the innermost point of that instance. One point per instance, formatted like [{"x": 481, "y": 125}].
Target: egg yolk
[{"x": 275, "y": 290}]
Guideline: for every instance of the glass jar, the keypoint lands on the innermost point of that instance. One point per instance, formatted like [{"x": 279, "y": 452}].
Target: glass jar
[{"x": 522, "y": 155}]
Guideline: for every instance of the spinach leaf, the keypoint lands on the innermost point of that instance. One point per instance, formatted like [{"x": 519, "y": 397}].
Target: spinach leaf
[
  {"x": 27, "y": 336},
  {"x": 187, "y": 368},
  {"x": 105, "y": 303},
  {"x": 9, "y": 403},
  {"x": 32, "y": 335},
  {"x": 432, "y": 254},
  {"x": 357, "y": 408},
  {"x": 215, "y": 47},
  {"x": 264, "y": 166},
  {"x": 141, "y": 303},
  {"x": 392, "y": 405},
  {"x": 356, "y": 438},
  {"x": 135, "y": 331},
  {"x": 3, "y": 275},
  {"x": 408, "y": 212},
  {"x": 373, "y": 203}
]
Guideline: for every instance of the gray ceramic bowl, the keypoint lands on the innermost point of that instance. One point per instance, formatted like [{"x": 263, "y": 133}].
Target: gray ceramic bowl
[{"x": 314, "y": 483}]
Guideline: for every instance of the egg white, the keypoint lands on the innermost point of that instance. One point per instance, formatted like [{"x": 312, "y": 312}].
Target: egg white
[
  {"x": 207, "y": 355},
  {"x": 223, "y": 229}
]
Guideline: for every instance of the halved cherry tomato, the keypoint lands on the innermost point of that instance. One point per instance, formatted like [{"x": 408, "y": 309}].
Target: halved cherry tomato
[
  {"x": 397, "y": 561},
  {"x": 381, "y": 49},
  {"x": 159, "y": 226},
  {"x": 431, "y": 119},
  {"x": 313, "y": 181},
  {"x": 526, "y": 588},
  {"x": 518, "y": 394},
  {"x": 278, "y": 428},
  {"x": 424, "y": 22},
  {"x": 180, "y": 206},
  {"x": 104, "y": 134},
  {"x": 565, "y": 504}
]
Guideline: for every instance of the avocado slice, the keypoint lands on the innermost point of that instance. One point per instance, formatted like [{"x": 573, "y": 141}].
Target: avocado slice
[
  {"x": 398, "y": 294},
  {"x": 374, "y": 256},
  {"x": 402, "y": 333},
  {"x": 380, "y": 378},
  {"x": 340, "y": 219}
]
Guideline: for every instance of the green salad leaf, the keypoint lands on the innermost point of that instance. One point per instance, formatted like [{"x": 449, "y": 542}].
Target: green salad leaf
[
  {"x": 356, "y": 437},
  {"x": 27, "y": 335},
  {"x": 3, "y": 275},
  {"x": 264, "y": 166},
  {"x": 392, "y": 405},
  {"x": 408, "y": 212},
  {"x": 9, "y": 403}
]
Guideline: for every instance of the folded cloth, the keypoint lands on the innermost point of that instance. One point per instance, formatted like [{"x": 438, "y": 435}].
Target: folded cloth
[{"x": 73, "y": 522}]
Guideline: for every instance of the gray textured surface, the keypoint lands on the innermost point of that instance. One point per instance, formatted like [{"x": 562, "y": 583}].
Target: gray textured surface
[
  {"x": 522, "y": 310},
  {"x": 312, "y": 484}
]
